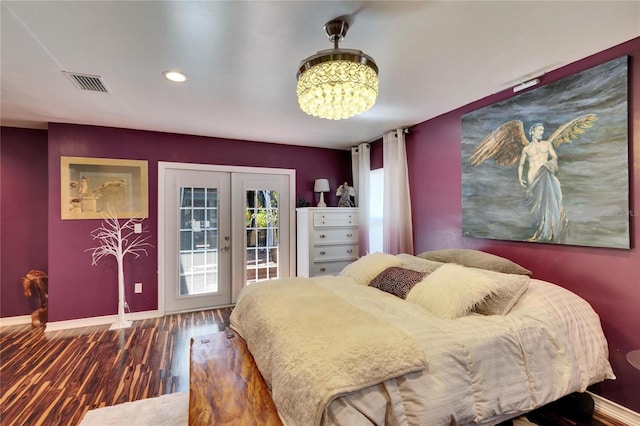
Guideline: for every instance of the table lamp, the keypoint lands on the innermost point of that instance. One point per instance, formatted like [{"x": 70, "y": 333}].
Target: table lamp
[{"x": 321, "y": 186}]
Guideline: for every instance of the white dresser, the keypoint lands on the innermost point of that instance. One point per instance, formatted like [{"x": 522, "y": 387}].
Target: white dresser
[{"x": 327, "y": 239}]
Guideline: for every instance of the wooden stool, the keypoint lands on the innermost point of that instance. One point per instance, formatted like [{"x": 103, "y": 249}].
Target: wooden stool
[{"x": 225, "y": 386}]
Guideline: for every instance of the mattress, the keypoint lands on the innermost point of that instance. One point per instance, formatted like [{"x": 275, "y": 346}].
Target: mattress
[{"x": 479, "y": 369}]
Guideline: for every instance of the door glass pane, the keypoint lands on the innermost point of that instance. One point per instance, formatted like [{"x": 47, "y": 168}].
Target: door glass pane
[
  {"x": 261, "y": 220},
  {"x": 198, "y": 258}
]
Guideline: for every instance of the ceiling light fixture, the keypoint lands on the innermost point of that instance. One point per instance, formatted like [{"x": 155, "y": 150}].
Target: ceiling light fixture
[
  {"x": 176, "y": 76},
  {"x": 337, "y": 83}
]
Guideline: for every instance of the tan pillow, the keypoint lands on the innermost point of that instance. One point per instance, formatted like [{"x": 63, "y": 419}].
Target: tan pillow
[
  {"x": 475, "y": 259},
  {"x": 452, "y": 290},
  {"x": 418, "y": 264},
  {"x": 504, "y": 296},
  {"x": 368, "y": 267}
]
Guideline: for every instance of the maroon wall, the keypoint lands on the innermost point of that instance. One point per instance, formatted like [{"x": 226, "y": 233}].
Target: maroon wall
[
  {"x": 23, "y": 217},
  {"x": 30, "y": 174},
  {"x": 609, "y": 279}
]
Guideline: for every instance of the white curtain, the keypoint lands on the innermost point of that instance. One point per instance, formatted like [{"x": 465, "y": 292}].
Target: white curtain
[
  {"x": 397, "y": 229},
  {"x": 361, "y": 166}
]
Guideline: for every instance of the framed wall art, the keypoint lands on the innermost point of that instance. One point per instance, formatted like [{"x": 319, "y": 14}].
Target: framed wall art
[
  {"x": 551, "y": 165},
  {"x": 91, "y": 186}
]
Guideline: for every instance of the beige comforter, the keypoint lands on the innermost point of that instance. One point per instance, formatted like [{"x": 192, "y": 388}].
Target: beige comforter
[
  {"x": 311, "y": 346},
  {"x": 480, "y": 370}
]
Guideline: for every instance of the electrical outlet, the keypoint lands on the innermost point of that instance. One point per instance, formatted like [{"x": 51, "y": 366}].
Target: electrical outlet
[
  {"x": 137, "y": 228},
  {"x": 138, "y": 288}
]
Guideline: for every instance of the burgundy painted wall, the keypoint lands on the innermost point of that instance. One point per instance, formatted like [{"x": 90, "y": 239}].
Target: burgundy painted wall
[
  {"x": 23, "y": 218},
  {"x": 79, "y": 290},
  {"x": 609, "y": 279}
]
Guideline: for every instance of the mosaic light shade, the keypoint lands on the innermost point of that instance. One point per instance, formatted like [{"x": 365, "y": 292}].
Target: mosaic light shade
[{"x": 338, "y": 83}]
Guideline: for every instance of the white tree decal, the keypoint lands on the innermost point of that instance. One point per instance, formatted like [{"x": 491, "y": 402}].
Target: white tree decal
[{"x": 119, "y": 240}]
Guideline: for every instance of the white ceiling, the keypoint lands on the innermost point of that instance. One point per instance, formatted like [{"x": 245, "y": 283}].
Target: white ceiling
[{"x": 242, "y": 58}]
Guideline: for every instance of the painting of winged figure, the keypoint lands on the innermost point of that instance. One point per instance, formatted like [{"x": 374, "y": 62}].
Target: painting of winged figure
[{"x": 551, "y": 165}]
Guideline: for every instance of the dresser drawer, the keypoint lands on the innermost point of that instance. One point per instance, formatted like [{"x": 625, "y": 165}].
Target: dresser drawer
[
  {"x": 337, "y": 252},
  {"x": 327, "y": 268},
  {"x": 327, "y": 240},
  {"x": 333, "y": 236},
  {"x": 335, "y": 218}
]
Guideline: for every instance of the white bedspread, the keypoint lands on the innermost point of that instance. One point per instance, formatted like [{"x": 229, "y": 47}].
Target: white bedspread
[
  {"x": 481, "y": 369},
  {"x": 307, "y": 357}
]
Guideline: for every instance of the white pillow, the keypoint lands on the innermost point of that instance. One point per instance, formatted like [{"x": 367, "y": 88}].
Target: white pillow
[
  {"x": 368, "y": 267},
  {"x": 452, "y": 290}
]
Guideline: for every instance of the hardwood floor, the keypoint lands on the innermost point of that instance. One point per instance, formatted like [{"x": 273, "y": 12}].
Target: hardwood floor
[{"x": 55, "y": 378}]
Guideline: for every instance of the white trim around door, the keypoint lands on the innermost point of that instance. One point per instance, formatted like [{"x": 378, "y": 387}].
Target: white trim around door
[{"x": 164, "y": 167}]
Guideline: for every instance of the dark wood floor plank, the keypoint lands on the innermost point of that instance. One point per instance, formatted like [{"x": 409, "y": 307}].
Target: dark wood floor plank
[{"x": 56, "y": 377}]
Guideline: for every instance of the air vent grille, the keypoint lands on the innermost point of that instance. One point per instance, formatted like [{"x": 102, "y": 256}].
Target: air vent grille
[{"x": 93, "y": 83}]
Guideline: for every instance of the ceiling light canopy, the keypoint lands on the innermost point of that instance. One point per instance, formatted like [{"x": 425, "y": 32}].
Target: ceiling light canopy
[{"x": 337, "y": 83}]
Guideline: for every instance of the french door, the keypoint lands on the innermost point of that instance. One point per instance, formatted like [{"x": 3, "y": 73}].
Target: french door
[{"x": 221, "y": 228}]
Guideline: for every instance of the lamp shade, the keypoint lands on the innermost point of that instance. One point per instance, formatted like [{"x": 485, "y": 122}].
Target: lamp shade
[{"x": 321, "y": 185}]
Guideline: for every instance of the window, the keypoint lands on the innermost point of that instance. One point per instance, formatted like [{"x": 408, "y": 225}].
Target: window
[
  {"x": 376, "y": 191},
  {"x": 261, "y": 217}
]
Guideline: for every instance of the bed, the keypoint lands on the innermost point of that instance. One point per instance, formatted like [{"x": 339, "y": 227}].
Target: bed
[{"x": 407, "y": 340}]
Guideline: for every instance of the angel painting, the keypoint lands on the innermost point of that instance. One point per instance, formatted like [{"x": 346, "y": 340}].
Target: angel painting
[{"x": 537, "y": 168}]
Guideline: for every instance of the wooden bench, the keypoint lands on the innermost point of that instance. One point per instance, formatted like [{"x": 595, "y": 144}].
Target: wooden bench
[{"x": 225, "y": 386}]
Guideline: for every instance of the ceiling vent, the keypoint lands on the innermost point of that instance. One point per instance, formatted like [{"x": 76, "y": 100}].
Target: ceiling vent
[{"x": 92, "y": 83}]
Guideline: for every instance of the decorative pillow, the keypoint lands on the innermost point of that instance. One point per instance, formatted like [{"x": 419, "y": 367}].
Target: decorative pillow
[
  {"x": 368, "y": 267},
  {"x": 504, "y": 298},
  {"x": 475, "y": 259},
  {"x": 452, "y": 290},
  {"x": 397, "y": 281},
  {"x": 418, "y": 264}
]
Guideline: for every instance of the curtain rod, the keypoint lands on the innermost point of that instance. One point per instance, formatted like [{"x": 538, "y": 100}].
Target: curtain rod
[{"x": 379, "y": 138}]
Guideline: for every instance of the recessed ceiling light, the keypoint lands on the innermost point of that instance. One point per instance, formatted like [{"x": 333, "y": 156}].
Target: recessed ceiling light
[{"x": 176, "y": 76}]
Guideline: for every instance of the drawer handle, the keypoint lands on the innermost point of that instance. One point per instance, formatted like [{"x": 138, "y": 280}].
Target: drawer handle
[
  {"x": 323, "y": 269},
  {"x": 322, "y": 253},
  {"x": 349, "y": 251},
  {"x": 349, "y": 235},
  {"x": 322, "y": 236}
]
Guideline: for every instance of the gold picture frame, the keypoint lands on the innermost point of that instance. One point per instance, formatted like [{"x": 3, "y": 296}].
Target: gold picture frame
[{"x": 91, "y": 186}]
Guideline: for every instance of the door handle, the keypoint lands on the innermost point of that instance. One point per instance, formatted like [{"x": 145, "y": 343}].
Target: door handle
[{"x": 225, "y": 248}]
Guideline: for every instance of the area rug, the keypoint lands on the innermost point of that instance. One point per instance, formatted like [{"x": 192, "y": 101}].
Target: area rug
[{"x": 167, "y": 410}]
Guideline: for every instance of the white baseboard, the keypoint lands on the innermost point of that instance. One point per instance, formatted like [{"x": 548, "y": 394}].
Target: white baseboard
[
  {"x": 615, "y": 411},
  {"x": 19, "y": 320},
  {"x": 93, "y": 321}
]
